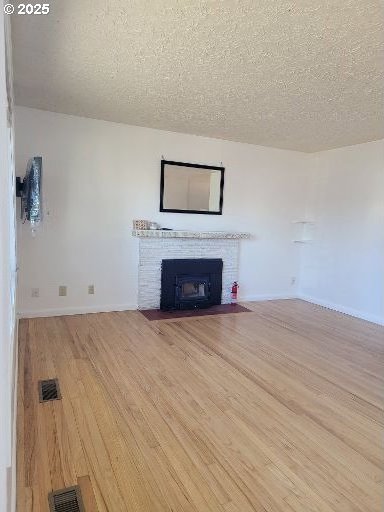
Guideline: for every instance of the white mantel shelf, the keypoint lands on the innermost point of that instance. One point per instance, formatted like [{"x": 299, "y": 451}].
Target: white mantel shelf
[{"x": 159, "y": 233}]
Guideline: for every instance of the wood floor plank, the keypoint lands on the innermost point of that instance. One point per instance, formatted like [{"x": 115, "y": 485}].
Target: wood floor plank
[
  {"x": 278, "y": 410},
  {"x": 87, "y": 493}
]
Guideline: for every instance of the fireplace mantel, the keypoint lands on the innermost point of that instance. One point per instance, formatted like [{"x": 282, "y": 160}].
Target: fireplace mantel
[{"x": 162, "y": 233}]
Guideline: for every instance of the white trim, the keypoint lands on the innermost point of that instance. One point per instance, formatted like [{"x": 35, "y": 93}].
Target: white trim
[
  {"x": 14, "y": 417},
  {"x": 342, "y": 309},
  {"x": 76, "y": 311},
  {"x": 258, "y": 298},
  {"x": 125, "y": 307},
  {"x": 250, "y": 298}
]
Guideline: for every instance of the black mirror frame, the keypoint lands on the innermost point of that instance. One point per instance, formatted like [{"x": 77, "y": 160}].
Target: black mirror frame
[{"x": 199, "y": 166}]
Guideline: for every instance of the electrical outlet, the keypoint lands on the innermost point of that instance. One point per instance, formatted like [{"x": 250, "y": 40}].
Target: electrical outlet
[
  {"x": 293, "y": 280},
  {"x": 62, "y": 291},
  {"x": 35, "y": 292},
  {"x": 91, "y": 289}
]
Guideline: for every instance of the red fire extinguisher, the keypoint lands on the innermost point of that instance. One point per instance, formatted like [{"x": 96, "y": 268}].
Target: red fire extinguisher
[{"x": 234, "y": 290}]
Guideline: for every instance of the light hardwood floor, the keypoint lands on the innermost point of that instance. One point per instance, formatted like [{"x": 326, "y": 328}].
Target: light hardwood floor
[{"x": 276, "y": 410}]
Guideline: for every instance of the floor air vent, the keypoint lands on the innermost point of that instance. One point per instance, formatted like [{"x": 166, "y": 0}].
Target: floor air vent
[
  {"x": 49, "y": 390},
  {"x": 66, "y": 500}
]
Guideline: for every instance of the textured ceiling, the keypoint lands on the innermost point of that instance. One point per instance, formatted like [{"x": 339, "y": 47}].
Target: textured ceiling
[{"x": 305, "y": 74}]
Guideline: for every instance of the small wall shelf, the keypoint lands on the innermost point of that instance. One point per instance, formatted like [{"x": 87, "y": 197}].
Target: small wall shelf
[{"x": 303, "y": 231}]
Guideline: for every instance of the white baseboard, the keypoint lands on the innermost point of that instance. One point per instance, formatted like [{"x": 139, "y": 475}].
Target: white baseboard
[
  {"x": 258, "y": 298},
  {"x": 249, "y": 298},
  {"x": 15, "y": 359},
  {"x": 40, "y": 313},
  {"x": 342, "y": 309},
  {"x": 76, "y": 310},
  {"x": 10, "y": 466}
]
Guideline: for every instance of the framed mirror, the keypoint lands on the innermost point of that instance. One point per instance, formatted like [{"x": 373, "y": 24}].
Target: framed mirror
[{"x": 191, "y": 188}]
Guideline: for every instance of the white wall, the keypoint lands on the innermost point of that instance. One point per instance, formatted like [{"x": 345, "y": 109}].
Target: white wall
[
  {"x": 98, "y": 176},
  {"x": 344, "y": 266},
  {"x": 7, "y": 287}
]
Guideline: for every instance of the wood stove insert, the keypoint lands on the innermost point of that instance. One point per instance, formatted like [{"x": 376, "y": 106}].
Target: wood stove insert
[{"x": 190, "y": 283}]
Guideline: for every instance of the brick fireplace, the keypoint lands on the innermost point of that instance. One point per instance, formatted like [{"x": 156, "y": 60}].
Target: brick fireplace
[{"x": 156, "y": 246}]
